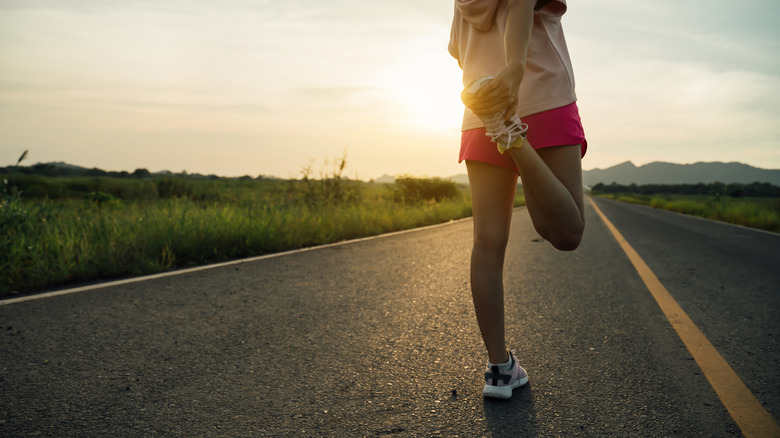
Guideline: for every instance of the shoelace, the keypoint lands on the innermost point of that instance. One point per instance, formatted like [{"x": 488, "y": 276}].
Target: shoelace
[{"x": 499, "y": 126}]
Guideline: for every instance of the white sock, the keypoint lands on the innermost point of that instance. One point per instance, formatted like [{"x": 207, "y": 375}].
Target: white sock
[{"x": 502, "y": 365}]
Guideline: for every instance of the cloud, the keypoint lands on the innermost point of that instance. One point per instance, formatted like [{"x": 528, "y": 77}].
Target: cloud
[
  {"x": 656, "y": 79},
  {"x": 663, "y": 80},
  {"x": 725, "y": 35}
]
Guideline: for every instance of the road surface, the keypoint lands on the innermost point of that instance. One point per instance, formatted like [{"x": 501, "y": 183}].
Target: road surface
[{"x": 378, "y": 338}]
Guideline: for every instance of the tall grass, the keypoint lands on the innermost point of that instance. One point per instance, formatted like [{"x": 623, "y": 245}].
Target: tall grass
[
  {"x": 760, "y": 213},
  {"x": 57, "y": 231},
  {"x": 64, "y": 231},
  {"x": 77, "y": 241}
]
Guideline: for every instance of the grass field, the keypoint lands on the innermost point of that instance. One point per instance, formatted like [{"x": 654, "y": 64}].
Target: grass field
[
  {"x": 65, "y": 231},
  {"x": 761, "y": 213}
]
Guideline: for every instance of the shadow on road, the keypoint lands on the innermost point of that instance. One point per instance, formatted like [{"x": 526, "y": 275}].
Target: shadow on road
[{"x": 514, "y": 417}]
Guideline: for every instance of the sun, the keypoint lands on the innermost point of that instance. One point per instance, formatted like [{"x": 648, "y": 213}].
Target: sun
[{"x": 424, "y": 90}]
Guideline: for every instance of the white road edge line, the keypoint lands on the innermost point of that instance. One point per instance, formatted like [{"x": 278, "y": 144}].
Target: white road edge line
[
  {"x": 743, "y": 227},
  {"x": 8, "y": 301}
]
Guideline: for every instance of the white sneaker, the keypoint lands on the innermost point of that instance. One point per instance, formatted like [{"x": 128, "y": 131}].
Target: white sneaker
[
  {"x": 500, "y": 380},
  {"x": 506, "y": 134}
]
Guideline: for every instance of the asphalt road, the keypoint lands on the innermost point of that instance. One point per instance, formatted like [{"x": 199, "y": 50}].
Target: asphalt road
[{"x": 378, "y": 338}]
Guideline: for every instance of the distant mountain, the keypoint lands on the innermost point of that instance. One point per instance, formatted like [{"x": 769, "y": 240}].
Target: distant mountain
[
  {"x": 385, "y": 179},
  {"x": 670, "y": 173},
  {"x": 459, "y": 179},
  {"x": 63, "y": 165}
]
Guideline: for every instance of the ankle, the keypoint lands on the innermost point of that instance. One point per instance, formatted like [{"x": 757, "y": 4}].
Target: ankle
[{"x": 500, "y": 360}]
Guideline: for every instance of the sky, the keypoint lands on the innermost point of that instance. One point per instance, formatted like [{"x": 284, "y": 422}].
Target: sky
[{"x": 240, "y": 87}]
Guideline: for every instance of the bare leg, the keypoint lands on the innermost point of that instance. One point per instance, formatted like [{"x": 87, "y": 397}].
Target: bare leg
[
  {"x": 492, "y": 197},
  {"x": 552, "y": 184}
]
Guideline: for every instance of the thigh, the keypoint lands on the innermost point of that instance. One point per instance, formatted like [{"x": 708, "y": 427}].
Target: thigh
[
  {"x": 565, "y": 162},
  {"x": 492, "y": 200}
]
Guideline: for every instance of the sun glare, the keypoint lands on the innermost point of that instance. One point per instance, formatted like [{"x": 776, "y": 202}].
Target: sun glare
[{"x": 425, "y": 89}]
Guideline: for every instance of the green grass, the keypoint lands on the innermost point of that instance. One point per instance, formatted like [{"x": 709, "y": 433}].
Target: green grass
[
  {"x": 760, "y": 213},
  {"x": 67, "y": 231}
]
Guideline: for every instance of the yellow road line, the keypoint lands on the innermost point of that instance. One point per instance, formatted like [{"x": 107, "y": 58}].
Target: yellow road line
[{"x": 745, "y": 409}]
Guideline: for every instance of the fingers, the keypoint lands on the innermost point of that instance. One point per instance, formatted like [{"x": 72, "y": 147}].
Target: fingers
[
  {"x": 493, "y": 91},
  {"x": 492, "y": 98},
  {"x": 493, "y": 109},
  {"x": 490, "y": 104}
]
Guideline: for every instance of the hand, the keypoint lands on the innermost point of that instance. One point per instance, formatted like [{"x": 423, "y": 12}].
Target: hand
[{"x": 499, "y": 95}]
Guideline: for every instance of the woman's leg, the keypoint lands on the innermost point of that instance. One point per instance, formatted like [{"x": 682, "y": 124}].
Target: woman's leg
[
  {"x": 492, "y": 199},
  {"x": 552, "y": 184}
]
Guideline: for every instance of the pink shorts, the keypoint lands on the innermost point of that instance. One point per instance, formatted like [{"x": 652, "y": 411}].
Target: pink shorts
[{"x": 556, "y": 127}]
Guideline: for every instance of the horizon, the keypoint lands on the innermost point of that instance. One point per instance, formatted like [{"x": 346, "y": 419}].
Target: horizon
[
  {"x": 385, "y": 175},
  {"x": 247, "y": 89}
]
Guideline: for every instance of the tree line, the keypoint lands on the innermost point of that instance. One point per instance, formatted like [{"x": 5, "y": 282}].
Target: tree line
[
  {"x": 52, "y": 170},
  {"x": 735, "y": 190}
]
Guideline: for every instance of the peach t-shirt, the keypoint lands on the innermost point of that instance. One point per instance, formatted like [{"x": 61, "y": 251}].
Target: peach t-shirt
[{"x": 477, "y": 42}]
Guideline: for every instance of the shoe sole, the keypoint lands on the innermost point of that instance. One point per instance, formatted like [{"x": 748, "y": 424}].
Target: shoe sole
[
  {"x": 472, "y": 89},
  {"x": 477, "y": 84},
  {"x": 503, "y": 392}
]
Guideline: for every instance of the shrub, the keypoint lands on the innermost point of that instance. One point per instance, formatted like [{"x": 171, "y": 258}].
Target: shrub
[
  {"x": 415, "y": 190},
  {"x": 331, "y": 188}
]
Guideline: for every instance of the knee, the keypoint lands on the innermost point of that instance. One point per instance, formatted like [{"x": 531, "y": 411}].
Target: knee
[
  {"x": 567, "y": 244},
  {"x": 568, "y": 240},
  {"x": 490, "y": 242}
]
